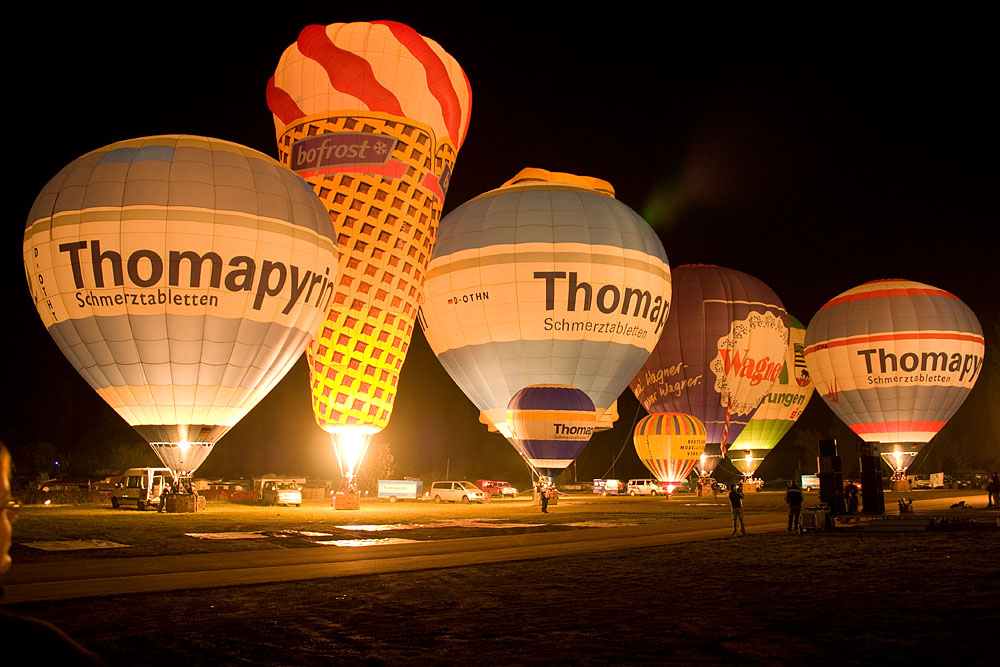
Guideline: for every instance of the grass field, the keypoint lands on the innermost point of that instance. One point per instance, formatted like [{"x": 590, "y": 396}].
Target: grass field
[{"x": 844, "y": 596}]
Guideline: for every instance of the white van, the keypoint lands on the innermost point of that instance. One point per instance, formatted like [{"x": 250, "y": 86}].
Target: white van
[
  {"x": 644, "y": 487},
  {"x": 278, "y": 491},
  {"x": 457, "y": 491},
  {"x": 141, "y": 487}
]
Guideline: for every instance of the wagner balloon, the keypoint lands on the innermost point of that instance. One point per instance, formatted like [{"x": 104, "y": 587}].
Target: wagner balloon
[
  {"x": 182, "y": 277},
  {"x": 722, "y": 348}
]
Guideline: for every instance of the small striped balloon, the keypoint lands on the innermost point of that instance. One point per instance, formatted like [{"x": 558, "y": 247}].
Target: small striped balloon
[
  {"x": 669, "y": 444},
  {"x": 550, "y": 425}
]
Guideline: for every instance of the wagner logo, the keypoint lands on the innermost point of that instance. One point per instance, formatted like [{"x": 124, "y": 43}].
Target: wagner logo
[
  {"x": 341, "y": 149},
  {"x": 468, "y": 298},
  {"x": 145, "y": 268}
]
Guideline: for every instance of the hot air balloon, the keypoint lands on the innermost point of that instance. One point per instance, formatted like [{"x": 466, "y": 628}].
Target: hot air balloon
[
  {"x": 722, "y": 348},
  {"x": 782, "y": 406},
  {"x": 669, "y": 445},
  {"x": 545, "y": 280},
  {"x": 373, "y": 116},
  {"x": 894, "y": 360},
  {"x": 182, "y": 277},
  {"x": 550, "y": 425}
]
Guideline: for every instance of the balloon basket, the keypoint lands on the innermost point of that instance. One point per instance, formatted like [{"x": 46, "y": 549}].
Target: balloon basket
[
  {"x": 180, "y": 503},
  {"x": 901, "y": 485},
  {"x": 346, "y": 501}
]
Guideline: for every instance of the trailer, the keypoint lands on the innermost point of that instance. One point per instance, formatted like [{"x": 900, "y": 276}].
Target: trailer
[{"x": 398, "y": 489}]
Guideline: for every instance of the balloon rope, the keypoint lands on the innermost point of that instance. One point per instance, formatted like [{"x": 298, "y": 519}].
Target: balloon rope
[
  {"x": 628, "y": 437},
  {"x": 725, "y": 429}
]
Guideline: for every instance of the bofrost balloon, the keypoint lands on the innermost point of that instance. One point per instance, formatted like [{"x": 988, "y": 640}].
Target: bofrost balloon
[
  {"x": 894, "y": 360},
  {"x": 372, "y": 115},
  {"x": 182, "y": 277}
]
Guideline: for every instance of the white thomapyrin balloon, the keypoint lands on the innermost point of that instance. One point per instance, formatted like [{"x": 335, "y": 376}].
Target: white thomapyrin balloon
[{"x": 182, "y": 277}]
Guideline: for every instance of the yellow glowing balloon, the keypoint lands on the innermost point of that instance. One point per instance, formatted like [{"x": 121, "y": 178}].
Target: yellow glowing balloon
[{"x": 373, "y": 116}]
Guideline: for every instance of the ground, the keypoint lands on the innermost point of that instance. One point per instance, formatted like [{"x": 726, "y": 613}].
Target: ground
[{"x": 841, "y": 596}]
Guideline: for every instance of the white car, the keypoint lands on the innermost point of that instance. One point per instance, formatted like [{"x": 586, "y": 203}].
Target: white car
[
  {"x": 454, "y": 492},
  {"x": 644, "y": 487}
]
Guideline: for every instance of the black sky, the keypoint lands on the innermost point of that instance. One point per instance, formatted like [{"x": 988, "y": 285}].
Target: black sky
[{"x": 812, "y": 148}]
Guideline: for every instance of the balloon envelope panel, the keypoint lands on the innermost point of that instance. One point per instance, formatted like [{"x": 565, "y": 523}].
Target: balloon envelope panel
[
  {"x": 894, "y": 359},
  {"x": 722, "y": 348},
  {"x": 669, "y": 444},
  {"x": 372, "y": 115},
  {"x": 550, "y": 425},
  {"x": 547, "y": 279},
  {"x": 782, "y": 406},
  {"x": 181, "y": 276}
]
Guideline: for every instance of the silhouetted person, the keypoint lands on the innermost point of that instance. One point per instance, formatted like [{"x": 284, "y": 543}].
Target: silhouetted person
[
  {"x": 736, "y": 502},
  {"x": 793, "y": 498},
  {"x": 852, "y": 492},
  {"x": 543, "y": 496},
  {"x": 24, "y": 637},
  {"x": 993, "y": 489}
]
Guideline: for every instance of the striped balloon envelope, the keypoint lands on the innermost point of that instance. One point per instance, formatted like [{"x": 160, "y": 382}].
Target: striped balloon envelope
[
  {"x": 182, "y": 277},
  {"x": 547, "y": 279},
  {"x": 669, "y": 444},
  {"x": 894, "y": 359},
  {"x": 779, "y": 410},
  {"x": 550, "y": 425},
  {"x": 373, "y": 116},
  {"x": 722, "y": 348}
]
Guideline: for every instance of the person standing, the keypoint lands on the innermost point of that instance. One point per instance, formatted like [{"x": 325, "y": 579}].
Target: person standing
[
  {"x": 852, "y": 498},
  {"x": 543, "y": 494},
  {"x": 736, "y": 502},
  {"x": 993, "y": 489},
  {"x": 793, "y": 498}
]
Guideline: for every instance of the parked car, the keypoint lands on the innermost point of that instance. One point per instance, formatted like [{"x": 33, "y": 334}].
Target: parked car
[
  {"x": 644, "y": 487},
  {"x": 453, "y": 492},
  {"x": 497, "y": 489},
  {"x": 279, "y": 492},
  {"x": 141, "y": 487}
]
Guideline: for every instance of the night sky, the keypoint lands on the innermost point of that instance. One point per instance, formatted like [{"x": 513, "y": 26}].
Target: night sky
[{"x": 813, "y": 149}]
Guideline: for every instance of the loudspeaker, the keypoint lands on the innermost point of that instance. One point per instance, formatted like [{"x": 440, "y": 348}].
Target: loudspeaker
[
  {"x": 827, "y": 447},
  {"x": 871, "y": 484}
]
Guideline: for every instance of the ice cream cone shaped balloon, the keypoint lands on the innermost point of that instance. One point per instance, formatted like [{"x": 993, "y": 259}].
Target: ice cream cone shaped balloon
[
  {"x": 372, "y": 115},
  {"x": 182, "y": 277}
]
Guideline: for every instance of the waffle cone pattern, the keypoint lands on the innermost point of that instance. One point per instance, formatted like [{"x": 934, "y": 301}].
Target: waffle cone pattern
[
  {"x": 371, "y": 115},
  {"x": 385, "y": 229}
]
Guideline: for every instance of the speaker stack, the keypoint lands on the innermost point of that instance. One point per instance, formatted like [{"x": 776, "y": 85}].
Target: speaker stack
[
  {"x": 871, "y": 480},
  {"x": 831, "y": 477}
]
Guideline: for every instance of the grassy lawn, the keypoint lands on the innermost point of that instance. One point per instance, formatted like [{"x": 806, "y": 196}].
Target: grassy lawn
[{"x": 148, "y": 533}]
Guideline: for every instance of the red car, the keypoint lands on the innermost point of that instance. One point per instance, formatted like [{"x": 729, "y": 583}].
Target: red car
[{"x": 497, "y": 489}]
